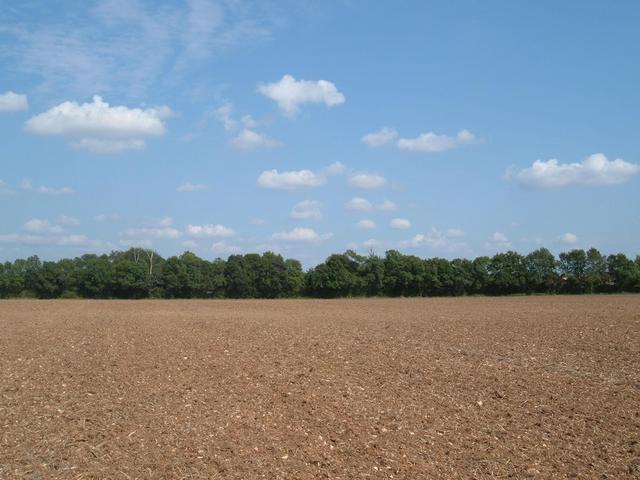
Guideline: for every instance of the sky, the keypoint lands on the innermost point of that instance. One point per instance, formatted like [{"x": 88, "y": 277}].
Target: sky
[{"x": 437, "y": 128}]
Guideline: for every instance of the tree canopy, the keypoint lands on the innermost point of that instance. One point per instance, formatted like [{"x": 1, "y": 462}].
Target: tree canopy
[{"x": 142, "y": 273}]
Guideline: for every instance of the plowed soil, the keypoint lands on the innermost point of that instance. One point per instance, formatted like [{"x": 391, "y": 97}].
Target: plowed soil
[{"x": 539, "y": 387}]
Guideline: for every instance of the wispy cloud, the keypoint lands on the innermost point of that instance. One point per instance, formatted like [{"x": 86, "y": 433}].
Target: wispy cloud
[
  {"x": 27, "y": 185},
  {"x": 129, "y": 46}
]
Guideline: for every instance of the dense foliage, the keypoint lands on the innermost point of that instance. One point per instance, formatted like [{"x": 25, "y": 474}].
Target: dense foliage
[{"x": 140, "y": 273}]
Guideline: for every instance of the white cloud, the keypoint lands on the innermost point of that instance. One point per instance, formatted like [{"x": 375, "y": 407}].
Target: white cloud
[
  {"x": 593, "y": 170},
  {"x": 5, "y": 189},
  {"x": 191, "y": 187},
  {"x": 222, "y": 248},
  {"x": 292, "y": 180},
  {"x": 371, "y": 243},
  {"x": 382, "y": 137},
  {"x": 28, "y": 186},
  {"x": 107, "y": 217},
  {"x": 568, "y": 238},
  {"x": 159, "y": 229},
  {"x": 455, "y": 233},
  {"x": 250, "y": 140},
  {"x": 100, "y": 128},
  {"x": 154, "y": 232},
  {"x": 298, "y": 179},
  {"x": 107, "y": 146},
  {"x": 366, "y": 224},
  {"x": 162, "y": 222},
  {"x": 45, "y": 233},
  {"x": 136, "y": 242},
  {"x": 300, "y": 234},
  {"x": 13, "y": 102},
  {"x": 336, "y": 168},
  {"x": 400, "y": 223},
  {"x": 306, "y": 210},
  {"x": 130, "y": 46},
  {"x": 366, "y": 180},
  {"x": 290, "y": 93},
  {"x": 68, "y": 221},
  {"x": 37, "y": 225},
  {"x": 432, "y": 142},
  {"x": 359, "y": 204},
  {"x": 189, "y": 244},
  {"x": 249, "y": 122},
  {"x": 224, "y": 115},
  {"x": 209, "y": 231},
  {"x": 387, "y": 206},
  {"x": 498, "y": 240},
  {"x": 48, "y": 240},
  {"x": 434, "y": 239}
]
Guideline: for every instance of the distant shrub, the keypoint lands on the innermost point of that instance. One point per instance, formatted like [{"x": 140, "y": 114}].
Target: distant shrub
[{"x": 69, "y": 294}]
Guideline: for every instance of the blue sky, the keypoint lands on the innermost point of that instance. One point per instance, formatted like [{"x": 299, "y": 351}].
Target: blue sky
[{"x": 437, "y": 128}]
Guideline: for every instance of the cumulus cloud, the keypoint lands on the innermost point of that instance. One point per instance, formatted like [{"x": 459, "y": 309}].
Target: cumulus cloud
[
  {"x": 292, "y": 180},
  {"x": 300, "y": 234},
  {"x": 387, "y": 206},
  {"x": 68, "y": 221},
  {"x": 400, "y": 223},
  {"x": 13, "y": 102},
  {"x": 359, "y": 204},
  {"x": 224, "y": 114},
  {"x": 48, "y": 240},
  {"x": 28, "y": 186},
  {"x": 382, "y": 137},
  {"x": 498, "y": 240},
  {"x": 223, "y": 248},
  {"x": 159, "y": 229},
  {"x": 436, "y": 240},
  {"x": 43, "y": 232},
  {"x": 366, "y": 224},
  {"x": 432, "y": 142},
  {"x": 299, "y": 179},
  {"x": 250, "y": 140},
  {"x": 366, "y": 180},
  {"x": 153, "y": 232},
  {"x": 209, "y": 231},
  {"x": 455, "y": 233},
  {"x": 99, "y": 127},
  {"x": 290, "y": 93},
  {"x": 189, "y": 244},
  {"x": 568, "y": 238},
  {"x": 594, "y": 170},
  {"x": 371, "y": 243},
  {"x": 37, "y": 225},
  {"x": 336, "y": 168},
  {"x": 189, "y": 187},
  {"x": 306, "y": 210}
]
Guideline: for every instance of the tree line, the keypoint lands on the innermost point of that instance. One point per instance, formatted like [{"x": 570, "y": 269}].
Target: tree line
[{"x": 142, "y": 273}]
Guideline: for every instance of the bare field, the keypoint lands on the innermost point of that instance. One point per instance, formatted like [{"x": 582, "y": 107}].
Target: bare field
[{"x": 539, "y": 387}]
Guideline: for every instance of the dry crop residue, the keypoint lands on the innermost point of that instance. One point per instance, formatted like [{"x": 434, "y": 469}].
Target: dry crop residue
[{"x": 539, "y": 387}]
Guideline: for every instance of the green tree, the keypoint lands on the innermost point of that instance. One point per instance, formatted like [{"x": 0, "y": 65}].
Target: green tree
[
  {"x": 573, "y": 268},
  {"x": 507, "y": 274},
  {"x": 624, "y": 273},
  {"x": 541, "y": 271}
]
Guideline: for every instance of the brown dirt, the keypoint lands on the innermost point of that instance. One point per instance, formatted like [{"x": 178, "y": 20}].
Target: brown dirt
[{"x": 541, "y": 387}]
